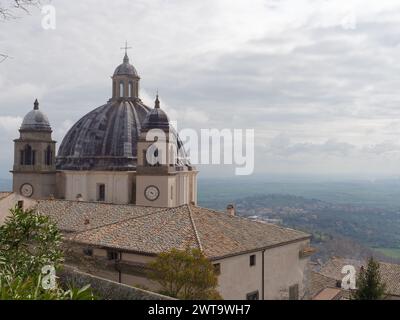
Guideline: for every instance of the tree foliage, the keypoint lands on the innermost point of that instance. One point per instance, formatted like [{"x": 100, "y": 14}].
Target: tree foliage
[
  {"x": 8, "y": 10},
  {"x": 186, "y": 275},
  {"x": 29, "y": 242},
  {"x": 369, "y": 283}
]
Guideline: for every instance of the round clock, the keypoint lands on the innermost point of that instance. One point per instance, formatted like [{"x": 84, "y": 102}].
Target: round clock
[
  {"x": 27, "y": 190},
  {"x": 152, "y": 193}
]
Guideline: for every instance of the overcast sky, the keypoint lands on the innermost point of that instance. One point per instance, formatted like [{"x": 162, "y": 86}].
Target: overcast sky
[{"x": 318, "y": 80}]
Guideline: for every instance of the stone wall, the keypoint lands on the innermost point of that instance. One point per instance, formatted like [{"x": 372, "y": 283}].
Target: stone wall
[{"x": 106, "y": 289}]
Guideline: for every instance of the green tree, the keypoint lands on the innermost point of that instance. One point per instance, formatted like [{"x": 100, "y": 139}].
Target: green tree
[
  {"x": 29, "y": 242},
  {"x": 369, "y": 283},
  {"x": 185, "y": 274}
]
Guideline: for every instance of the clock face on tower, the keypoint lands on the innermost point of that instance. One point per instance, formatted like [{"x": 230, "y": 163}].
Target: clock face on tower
[
  {"x": 27, "y": 190},
  {"x": 152, "y": 193}
]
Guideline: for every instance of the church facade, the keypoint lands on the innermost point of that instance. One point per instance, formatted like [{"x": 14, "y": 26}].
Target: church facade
[
  {"x": 104, "y": 155},
  {"x": 122, "y": 190}
]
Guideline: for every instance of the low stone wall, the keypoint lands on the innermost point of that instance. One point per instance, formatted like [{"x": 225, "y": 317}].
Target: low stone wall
[{"x": 106, "y": 289}]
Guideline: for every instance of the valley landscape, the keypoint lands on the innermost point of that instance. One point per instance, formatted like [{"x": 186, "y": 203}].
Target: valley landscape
[{"x": 352, "y": 219}]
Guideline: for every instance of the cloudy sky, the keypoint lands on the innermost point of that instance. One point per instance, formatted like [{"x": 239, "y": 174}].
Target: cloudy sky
[{"x": 318, "y": 80}]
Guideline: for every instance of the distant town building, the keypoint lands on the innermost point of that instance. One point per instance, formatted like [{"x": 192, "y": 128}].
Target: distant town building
[{"x": 326, "y": 280}]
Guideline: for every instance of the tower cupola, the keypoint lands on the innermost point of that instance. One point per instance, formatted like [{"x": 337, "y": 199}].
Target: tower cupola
[{"x": 125, "y": 80}]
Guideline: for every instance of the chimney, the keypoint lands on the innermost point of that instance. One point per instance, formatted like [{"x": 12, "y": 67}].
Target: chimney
[{"x": 230, "y": 209}]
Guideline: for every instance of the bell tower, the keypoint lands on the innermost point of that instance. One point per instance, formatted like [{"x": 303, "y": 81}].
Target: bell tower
[
  {"x": 34, "y": 170},
  {"x": 164, "y": 177}
]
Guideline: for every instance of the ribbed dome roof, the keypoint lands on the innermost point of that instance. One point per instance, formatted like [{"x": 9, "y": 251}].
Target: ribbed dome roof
[
  {"x": 104, "y": 139},
  {"x": 35, "y": 120},
  {"x": 126, "y": 68}
]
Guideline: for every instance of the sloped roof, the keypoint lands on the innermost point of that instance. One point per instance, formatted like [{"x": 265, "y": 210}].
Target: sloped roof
[
  {"x": 319, "y": 282},
  {"x": 4, "y": 194},
  {"x": 75, "y": 216},
  {"x": 151, "y": 230},
  {"x": 390, "y": 272}
]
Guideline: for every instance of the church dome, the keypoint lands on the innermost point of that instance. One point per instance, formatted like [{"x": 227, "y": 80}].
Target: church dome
[
  {"x": 35, "y": 120},
  {"x": 104, "y": 139},
  {"x": 126, "y": 69}
]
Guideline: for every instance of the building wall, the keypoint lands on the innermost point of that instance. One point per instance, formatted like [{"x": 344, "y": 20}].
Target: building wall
[
  {"x": 44, "y": 184},
  {"x": 10, "y": 202},
  {"x": 118, "y": 185},
  {"x": 282, "y": 268},
  {"x": 237, "y": 278},
  {"x": 175, "y": 189}
]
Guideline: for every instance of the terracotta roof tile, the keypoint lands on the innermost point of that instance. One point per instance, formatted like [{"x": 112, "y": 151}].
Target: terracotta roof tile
[
  {"x": 390, "y": 272},
  {"x": 154, "y": 230}
]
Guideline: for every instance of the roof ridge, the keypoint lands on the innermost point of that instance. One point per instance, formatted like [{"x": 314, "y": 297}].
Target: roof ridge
[
  {"x": 194, "y": 228},
  {"x": 252, "y": 221},
  {"x": 121, "y": 221}
]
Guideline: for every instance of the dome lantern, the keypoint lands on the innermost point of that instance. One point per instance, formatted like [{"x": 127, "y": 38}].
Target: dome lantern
[{"x": 125, "y": 80}]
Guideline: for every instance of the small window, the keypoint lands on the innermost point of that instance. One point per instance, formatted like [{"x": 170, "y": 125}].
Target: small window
[
  {"x": 130, "y": 89},
  {"x": 88, "y": 252},
  {"x": 121, "y": 89},
  {"x": 101, "y": 192},
  {"x": 112, "y": 255},
  {"x": 252, "y": 260},
  {"x": 253, "y": 296},
  {"x": 294, "y": 292},
  {"x": 48, "y": 156},
  {"x": 217, "y": 269},
  {"x": 20, "y": 204}
]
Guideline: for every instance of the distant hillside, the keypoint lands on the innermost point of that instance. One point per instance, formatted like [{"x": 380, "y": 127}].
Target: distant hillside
[
  {"x": 5, "y": 185},
  {"x": 217, "y": 193},
  {"x": 337, "y": 229}
]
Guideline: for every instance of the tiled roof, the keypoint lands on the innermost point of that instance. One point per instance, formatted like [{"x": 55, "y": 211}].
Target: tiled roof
[
  {"x": 153, "y": 230},
  {"x": 72, "y": 216},
  {"x": 222, "y": 234},
  {"x": 390, "y": 272},
  {"x": 329, "y": 294},
  {"x": 318, "y": 283}
]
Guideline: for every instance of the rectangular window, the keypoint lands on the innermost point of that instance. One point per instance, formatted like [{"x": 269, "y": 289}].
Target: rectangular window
[
  {"x": 294, "y": 292},
  {"x": 252, "y": 260},
  {"x": 112, "y": 255},
  {"x": 217, "y": 269},
  {"x": 88, "y": 252},
  {"x": 20, "y": 204},
  {"x": 253, "y": 296},
  {"x": 101, "y": 192}
]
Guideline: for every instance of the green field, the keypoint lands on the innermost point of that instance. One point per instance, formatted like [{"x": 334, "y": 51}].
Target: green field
[{"x": 390, "y": 252}]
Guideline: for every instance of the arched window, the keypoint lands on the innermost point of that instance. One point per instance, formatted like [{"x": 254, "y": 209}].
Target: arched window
[
  {"x": 121, "y": 90},
  {"x": 48, "y": 156},
  {"x": 130, "y": 89},
  {"x": 28, "y": 156}
]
